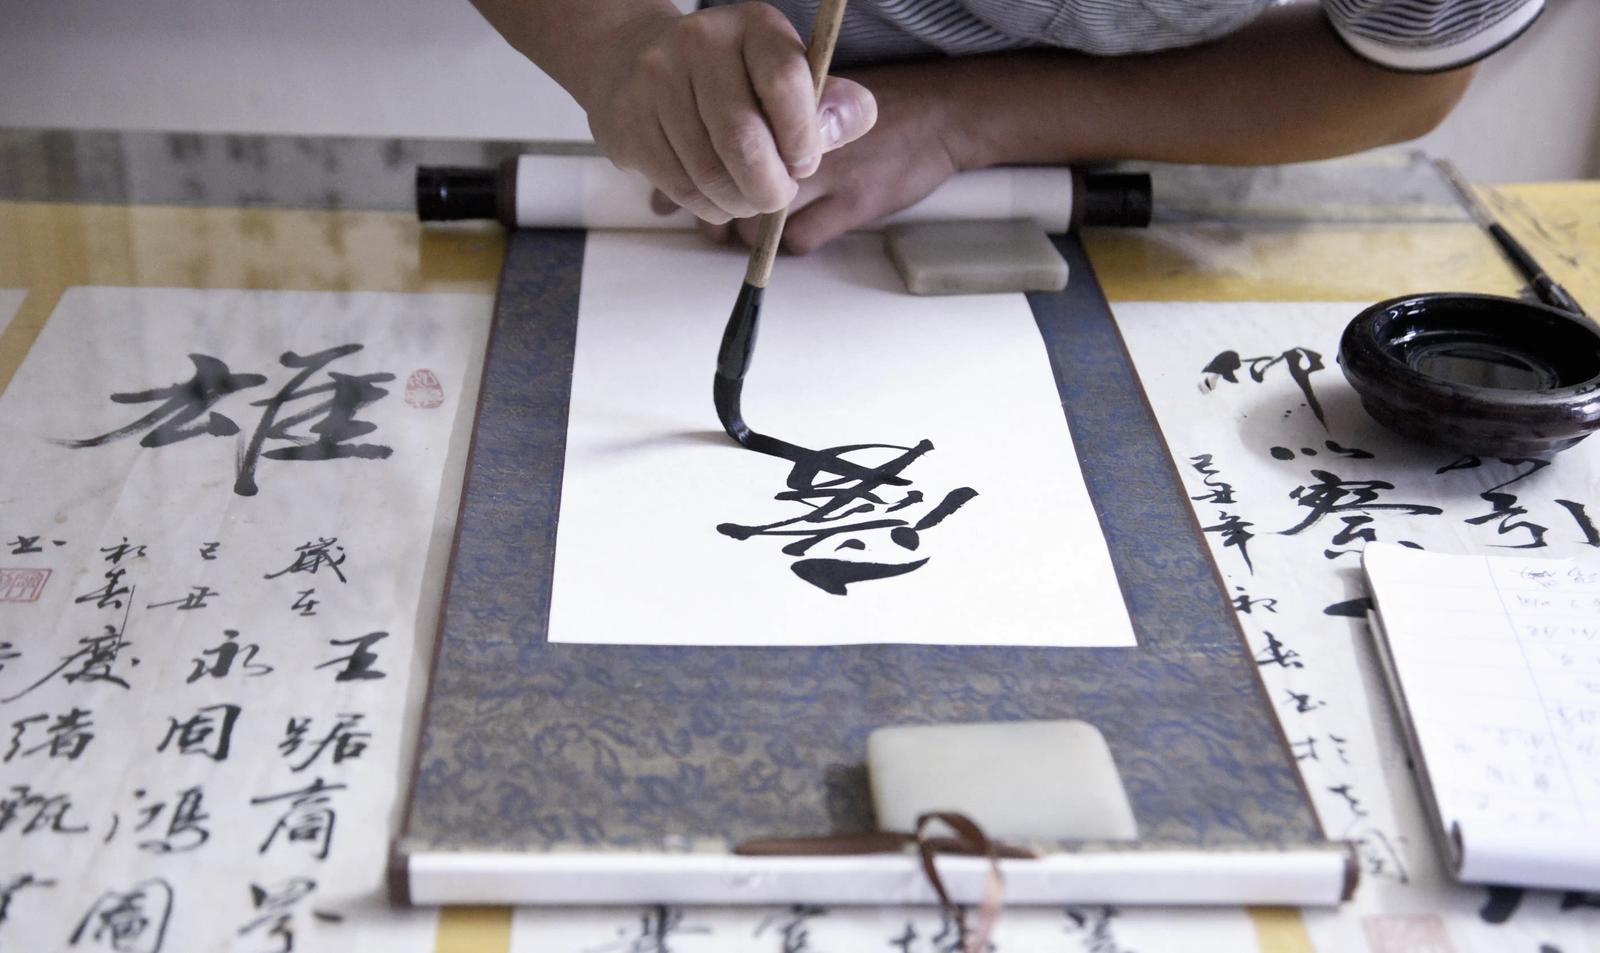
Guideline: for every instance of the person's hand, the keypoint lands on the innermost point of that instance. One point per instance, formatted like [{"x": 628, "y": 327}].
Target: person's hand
[
  {"x": 913, "y": 147},
  {"x": 715, "y": 108}
]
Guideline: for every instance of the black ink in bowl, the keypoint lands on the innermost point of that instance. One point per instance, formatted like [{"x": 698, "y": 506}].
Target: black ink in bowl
[{"x": 1476, "y": 373}]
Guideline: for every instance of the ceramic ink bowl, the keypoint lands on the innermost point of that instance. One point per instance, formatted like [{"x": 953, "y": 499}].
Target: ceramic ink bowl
[{"x": 1476, "y": 373}]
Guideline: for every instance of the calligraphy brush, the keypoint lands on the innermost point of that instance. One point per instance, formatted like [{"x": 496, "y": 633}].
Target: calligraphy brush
[
  {"x": 739, "y": 338},
  {"x": 1544, "y": 286}
]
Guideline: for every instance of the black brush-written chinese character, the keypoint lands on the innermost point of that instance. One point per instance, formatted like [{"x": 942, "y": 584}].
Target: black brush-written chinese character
[
  {"x": 1299, "y": 362},
  {"x": 1331, "y": 496},
  {"x": 66, "y": 737},
  {"x": 304, "y": 604},
  {"x": 10, "y": 888},
  {"x": 792, "y": 926},
  {"x": 308, "y": 820},
  {"x": 182, "y": 405},
  {"x": 95, "y": 660},
  {"x": 325, "y": 429},
  {"x": 8, "y": 653},
  {"x": 1235, "y": 533},
  {"x": 274, "y": 912},
  {"x": 1276, "y": 654},
  {"x": 127, "y": 921},
  {"x": 27, "y": 811},
  {"x": 309, "y": 557},
  {"x": 361, "y": 664},
  {"x": 196, "y": 599},
  {"x": 208, "y": 732},
  {"x": 341, "y": 742},
  {"x": 185, "y": 828},
  {"x": 845, "y": 499},
  {"x": 651, "y": 932},
  {"x": 1586, "y": 524},
  {"x": 335, "y": 423},
  {"x": 224, "y": 657},
  {"x": 208, "y": 551},
  {"x": 1504, "y": 506}
]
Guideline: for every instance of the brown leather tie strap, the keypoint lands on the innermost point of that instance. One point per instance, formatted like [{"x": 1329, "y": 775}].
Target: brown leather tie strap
[{"x": 974, "y": 841}]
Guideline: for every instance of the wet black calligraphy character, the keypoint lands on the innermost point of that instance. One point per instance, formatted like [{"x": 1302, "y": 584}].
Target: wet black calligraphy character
[
  {"x": 335, "y": 424},
  {"x": 196, "y": 599},
  {"x": 27, "y": 811},
  {"x": 308, "y": 819},
  {"x": 359, "y": 665},
  {"x": 208, "y": 732},
  {"x": 182, "y": 405},
  {"x": 340, "y": 742},
  {"x": 8, "y": 653},
  {"x": 1304, "y": 749},
  {"x": 224, "y": 656},
  {"x": 309, "y": 557},
  {"x": 844, "y": 500},
  {"x": 1299, "y": 362},
  {"x": 66, "y": 737},
  {"x": 208, "y": 551},
  {"x": 127, "y": 921}
]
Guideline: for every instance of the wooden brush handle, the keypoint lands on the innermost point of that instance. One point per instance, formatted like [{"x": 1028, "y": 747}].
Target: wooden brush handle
[{"x": 819, "y": 53}]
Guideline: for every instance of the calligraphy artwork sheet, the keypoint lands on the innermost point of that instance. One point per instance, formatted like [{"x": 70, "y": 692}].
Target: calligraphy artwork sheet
[
  {"x": 216, "y": 508},
  {"x": 932, "y": 494},
  {"x": 1290, "y": 479}
]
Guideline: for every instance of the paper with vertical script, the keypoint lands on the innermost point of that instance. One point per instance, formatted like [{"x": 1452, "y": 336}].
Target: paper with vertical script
[
  {"x": 1495, "y": 662},
  {"x": 943, "y": 504},
  {"x": 1290, "y": 479},
  {"x": 215, "y": 510}
]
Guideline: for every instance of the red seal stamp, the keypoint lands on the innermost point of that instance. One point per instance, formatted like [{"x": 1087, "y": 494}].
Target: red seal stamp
[
  {"x": 22, "y": 585},
  {"x": 423, "y": 390}
]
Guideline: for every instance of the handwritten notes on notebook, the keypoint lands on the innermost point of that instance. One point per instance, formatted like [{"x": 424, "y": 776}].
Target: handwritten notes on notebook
[{"x": 1495, "y": 665}]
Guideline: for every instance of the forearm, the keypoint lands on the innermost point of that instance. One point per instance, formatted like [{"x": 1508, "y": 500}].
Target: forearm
[
  {"x": 1284, "y": 89},
  {"x": 567, "y": 39}
]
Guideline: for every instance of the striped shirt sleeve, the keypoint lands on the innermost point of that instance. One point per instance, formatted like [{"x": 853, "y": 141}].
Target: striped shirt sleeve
[{"x": 1429, "y": 35}]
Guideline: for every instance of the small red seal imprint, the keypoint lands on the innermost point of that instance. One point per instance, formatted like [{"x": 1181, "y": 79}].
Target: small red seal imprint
[
  {"x": 423, "y": 390},
  {"x": 22, "y": 585}
]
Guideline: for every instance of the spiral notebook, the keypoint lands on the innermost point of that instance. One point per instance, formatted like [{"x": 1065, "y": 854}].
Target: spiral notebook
[{"x": 1494, "y": 664}]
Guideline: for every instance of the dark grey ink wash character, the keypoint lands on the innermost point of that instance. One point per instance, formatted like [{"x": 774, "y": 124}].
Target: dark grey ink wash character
[
  {"x": 322, "y": 426},
  {"x": 10, "y": 888},
  {"x": 847, "y": 502}
]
